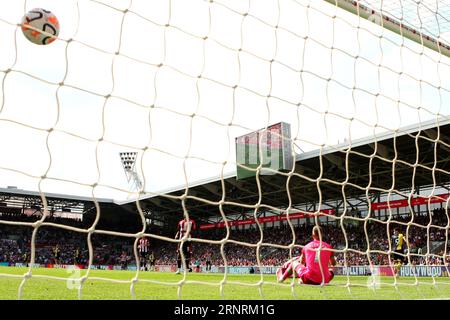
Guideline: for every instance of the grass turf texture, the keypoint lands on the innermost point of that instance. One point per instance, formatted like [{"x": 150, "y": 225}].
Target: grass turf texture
[{"x": 45, "y": 288}]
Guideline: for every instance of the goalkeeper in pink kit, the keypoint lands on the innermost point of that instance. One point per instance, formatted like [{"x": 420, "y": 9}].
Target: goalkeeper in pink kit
[{"x": 312, "y": 267}]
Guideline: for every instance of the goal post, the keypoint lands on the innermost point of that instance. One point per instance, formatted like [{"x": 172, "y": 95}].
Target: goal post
[{"x": 400, "y": 16}]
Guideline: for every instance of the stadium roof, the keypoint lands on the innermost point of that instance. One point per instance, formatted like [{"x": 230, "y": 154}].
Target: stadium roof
[
  {"x": 16, "y": 204},
  {"x": 370, "y": 163},
  {"x": 412, "y": 148},
  {"x": 53, "y": 196}
]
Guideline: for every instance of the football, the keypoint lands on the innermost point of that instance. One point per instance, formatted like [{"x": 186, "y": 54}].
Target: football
[{"x": 40, "y": 26}]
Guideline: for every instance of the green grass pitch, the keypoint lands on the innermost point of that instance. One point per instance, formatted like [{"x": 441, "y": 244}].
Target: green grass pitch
[{"x": 93, "y": 289}]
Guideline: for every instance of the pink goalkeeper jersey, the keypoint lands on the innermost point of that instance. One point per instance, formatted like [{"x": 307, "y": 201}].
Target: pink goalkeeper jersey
[{"x": 312, "y": 270}]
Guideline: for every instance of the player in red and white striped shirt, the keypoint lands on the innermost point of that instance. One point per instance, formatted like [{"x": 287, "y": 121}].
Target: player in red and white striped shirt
[
  {"x": 143, "y": 248},
  {"x": 185, "y": 228}
]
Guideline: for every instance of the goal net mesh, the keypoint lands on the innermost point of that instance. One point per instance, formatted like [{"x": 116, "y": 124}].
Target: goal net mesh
[{"x": 177, "y": 80}]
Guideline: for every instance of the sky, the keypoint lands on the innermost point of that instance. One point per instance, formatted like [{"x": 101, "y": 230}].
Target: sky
[{"x": 70, "y": 107}]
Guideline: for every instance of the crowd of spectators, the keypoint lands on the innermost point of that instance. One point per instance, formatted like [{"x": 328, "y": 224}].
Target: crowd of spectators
[
  {"x": 355, "y": 243},
  {"x": 354, "y": 247}
]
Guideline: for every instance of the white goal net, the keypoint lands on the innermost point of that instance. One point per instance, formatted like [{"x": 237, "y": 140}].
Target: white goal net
[{"x": 363, "y": 85}]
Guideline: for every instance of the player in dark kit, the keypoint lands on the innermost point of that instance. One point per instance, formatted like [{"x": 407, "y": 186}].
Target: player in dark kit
[
  {"x": 185, "y": 228},
  {"x": 56, "y": 254},
  {"x": 76, "y": 256},
  {"x": 398, "y": 245},
  {"x": 25, "y": 258},
  {"x": 208, "y": 262},
  {"x": 151, "y": 261}
]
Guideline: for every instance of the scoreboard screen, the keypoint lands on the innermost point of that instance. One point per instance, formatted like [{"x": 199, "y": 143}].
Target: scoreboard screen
[{"x": 269, "y": 147}]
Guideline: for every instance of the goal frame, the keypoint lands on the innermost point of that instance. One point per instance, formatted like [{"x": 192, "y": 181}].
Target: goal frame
[{"x": 394, "y": 25}]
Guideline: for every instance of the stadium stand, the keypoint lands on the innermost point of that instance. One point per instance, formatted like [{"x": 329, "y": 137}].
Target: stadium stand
[{"x": 15, "y": 242}]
